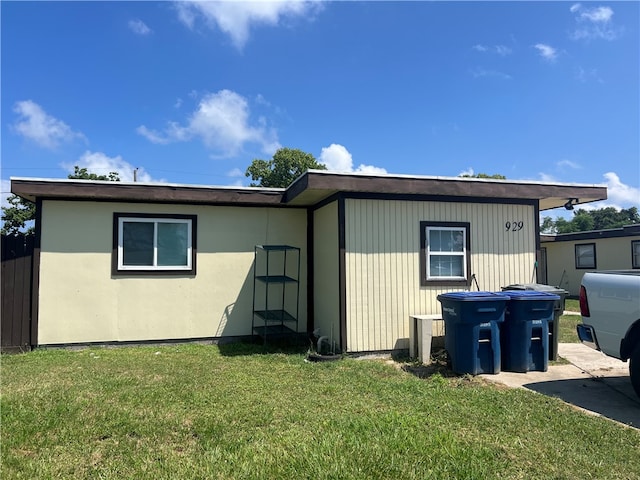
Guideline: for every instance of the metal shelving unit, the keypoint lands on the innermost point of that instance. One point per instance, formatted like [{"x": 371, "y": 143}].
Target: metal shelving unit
[{"x": 276, "y": 291}]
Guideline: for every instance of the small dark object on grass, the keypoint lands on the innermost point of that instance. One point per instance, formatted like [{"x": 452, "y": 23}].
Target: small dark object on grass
[{"x": 317, "y": 357}]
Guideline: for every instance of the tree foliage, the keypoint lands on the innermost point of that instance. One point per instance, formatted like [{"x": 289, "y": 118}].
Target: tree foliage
[
  {"x": 18, "y": 217},
  {"x": 84, "y": 174},
  {"x": 496, "y": 176},
  {"x": 585, "y": 220},
  {"x": 286, "y": 165}
]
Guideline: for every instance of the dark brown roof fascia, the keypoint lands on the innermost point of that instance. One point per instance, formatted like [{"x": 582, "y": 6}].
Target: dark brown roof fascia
[
  {"x": 116, "y": 191},
  {"x": 442, "y": 186}
]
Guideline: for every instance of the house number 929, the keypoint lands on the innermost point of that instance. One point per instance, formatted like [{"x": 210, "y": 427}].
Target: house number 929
[{"x": 514, "y": 226}]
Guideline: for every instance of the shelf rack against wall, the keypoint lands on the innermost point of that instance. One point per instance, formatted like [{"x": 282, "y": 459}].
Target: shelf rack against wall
[{"x": 276, "y": 291}]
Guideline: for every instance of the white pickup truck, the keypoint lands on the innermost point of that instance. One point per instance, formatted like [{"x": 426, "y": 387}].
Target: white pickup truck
[{"x": 610, "y": 309}]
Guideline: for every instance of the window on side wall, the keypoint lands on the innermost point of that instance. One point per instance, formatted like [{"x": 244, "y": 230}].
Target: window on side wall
[
  {"x": 635, "y": 253},
  {"x": 154, "y": 244},
  {"x": 444, "y": 253},
  {"x": 586, "y": 255}
]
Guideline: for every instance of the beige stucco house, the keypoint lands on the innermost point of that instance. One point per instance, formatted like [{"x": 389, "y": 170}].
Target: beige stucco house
[
  {"x": 569, "y": 256},
  {"x": 136, "y": 262}
]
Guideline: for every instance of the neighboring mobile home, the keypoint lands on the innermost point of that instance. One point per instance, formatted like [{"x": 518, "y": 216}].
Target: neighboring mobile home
[
  {"x": 569, "y": 255},
  {"x": 374, "y": 249}
]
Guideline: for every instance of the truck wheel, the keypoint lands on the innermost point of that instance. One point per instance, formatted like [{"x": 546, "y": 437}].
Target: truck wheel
[{"x": 634, "y": 369}]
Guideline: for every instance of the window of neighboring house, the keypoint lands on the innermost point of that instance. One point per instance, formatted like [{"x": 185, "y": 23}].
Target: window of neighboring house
[
  {"x": 586, "y": 255},
  {"x": 444, "y": 253},
  {"x": 635, "y": 253},
  {"x": 150, "y": 244}
]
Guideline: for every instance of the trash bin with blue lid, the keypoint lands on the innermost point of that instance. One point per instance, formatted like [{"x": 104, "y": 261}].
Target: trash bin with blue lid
[
  {"x": 472, "y": 330},
  {"x": 558, "y": 309},
  {"x": 524, "y": 337}
]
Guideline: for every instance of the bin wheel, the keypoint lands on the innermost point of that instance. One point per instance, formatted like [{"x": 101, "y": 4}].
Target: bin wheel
[{"x": 634, "y": 369}]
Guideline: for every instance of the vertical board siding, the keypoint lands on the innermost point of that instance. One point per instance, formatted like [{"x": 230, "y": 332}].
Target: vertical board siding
[
  {"x": 326, "y": 301},
  {"x": 383, "y": 276},
  {"x": 15, "y": 321}
]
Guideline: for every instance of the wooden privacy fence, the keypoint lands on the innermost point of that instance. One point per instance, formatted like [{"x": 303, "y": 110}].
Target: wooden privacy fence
[{"x": 15, "y": 323}]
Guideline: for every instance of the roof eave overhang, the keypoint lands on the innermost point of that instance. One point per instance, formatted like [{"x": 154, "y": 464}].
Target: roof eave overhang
[
  {"x": 316, "y": 186},
  {"x": 30, "y": 189},
  {"x": 312, "y": 188}
]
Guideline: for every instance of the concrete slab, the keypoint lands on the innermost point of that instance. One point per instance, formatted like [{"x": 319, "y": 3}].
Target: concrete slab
[{"x": 590, "y": 381}]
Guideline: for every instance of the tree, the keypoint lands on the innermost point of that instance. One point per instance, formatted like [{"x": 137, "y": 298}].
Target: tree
[
  {"x": 84, "y": 174},
  {"x": 286, "y": 165},
  {"x": 585, "y": 220},
  {"x": 496, "y": 176},
  {"x": 17, "y": 218}
]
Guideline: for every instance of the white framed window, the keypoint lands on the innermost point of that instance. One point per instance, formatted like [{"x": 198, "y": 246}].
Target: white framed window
[
  {"x": 585, "y": 255},
  {"x": 635, "y": 253},
  {"x": 163, "y": 244},
  {"x": 444, "y": 251}
]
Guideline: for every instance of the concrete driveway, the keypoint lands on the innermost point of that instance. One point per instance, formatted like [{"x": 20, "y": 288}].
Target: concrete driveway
[{"x": 591, "y": 381}]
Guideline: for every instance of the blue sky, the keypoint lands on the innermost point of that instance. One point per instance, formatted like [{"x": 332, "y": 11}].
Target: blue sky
[{"x": 192, "y": 92}]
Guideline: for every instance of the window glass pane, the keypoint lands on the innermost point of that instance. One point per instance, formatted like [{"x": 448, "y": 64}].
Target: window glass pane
[
  {"x": 137, "y": 243},
  {"x": 636, "y": 254},
  {"x": 446, "y": 240},
  {"x": 435, "y": 240},
  {"x": 585, "y": 256},
  {"x": 446, "y": 266},
  {"x": 172, "y": 244}
]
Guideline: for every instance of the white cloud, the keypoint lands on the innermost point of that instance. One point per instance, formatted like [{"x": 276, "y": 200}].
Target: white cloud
[
  {"x": 594, "y": 23},
  {"x": 5, "y": 192},
  {"x": 597, "y": 15},
  {"x": 545, "y": 177},
  {"x": 222, "y": 122},
  {"x": 152, "y": 135},
  {"x": 236, "y": 172},
  {"x": 237, "y": 18},
  {"x": 139, "y": 27},
  {"x": 481, "y": 72},
  {"x": 468, "y": 172},
  {"x": 546, "y": 51},
  {"x": 101, "y": 164},
  {"x": 586, "y": 75},
  {"x": 568, "y": 164},
  {"x": 37, "y": 125},
  {"x": 370, "y": 169},
  {"x": 619, "y": 196},
  {"x": 621, "y": 193},
  {"x": 338, "y": 159},
  {"x": 501, "y": 50}
]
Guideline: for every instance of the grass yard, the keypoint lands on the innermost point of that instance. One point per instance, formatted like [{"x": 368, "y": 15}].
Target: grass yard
[
  {"x": 572, "y": 304},
  {"x": 567, "y": 331},
  {"x": 236, "y": 412}
]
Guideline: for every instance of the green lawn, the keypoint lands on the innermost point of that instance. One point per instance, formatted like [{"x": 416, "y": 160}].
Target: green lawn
[
  {"x": 567, "y": 332},
  {"x": 237, "y": 412},
  {"x": 572, "y": 304}
]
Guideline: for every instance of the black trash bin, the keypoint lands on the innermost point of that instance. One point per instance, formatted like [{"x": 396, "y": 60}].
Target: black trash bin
[
  {"x": 472, "y": 333},
  {"x": 524, "y": 337},
  {"x": 558, "y": 308}
]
